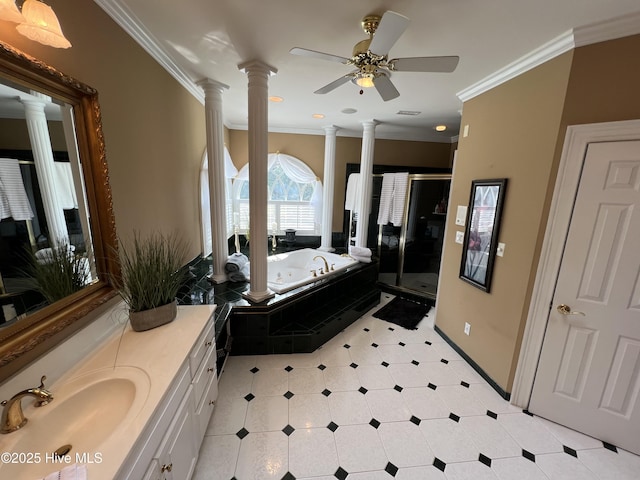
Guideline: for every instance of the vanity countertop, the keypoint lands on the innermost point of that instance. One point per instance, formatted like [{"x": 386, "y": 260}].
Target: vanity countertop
[{"x": 158, "y": 353}]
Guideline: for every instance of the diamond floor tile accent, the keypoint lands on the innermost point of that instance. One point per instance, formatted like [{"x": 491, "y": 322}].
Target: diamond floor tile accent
[{"x": 377, "y": 403}]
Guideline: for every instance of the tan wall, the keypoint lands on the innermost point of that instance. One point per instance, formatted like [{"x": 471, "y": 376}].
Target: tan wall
[
  {"x": 517, "y": 131},
  {"x": 14, "y": 135},
  {"x": 310, "y": 149},
  {"x": 154, "y": 129},
  {"x": 603, "y": 85},
  {"x": 513, "y": 132}
]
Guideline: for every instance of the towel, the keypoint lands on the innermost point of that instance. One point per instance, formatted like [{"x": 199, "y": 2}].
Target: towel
[
  {"x": 241, "y": 275},
  {"x": 400, "y": 183},
  {"x": 359, "y": 251},
  {"x": 72, "y": 472},
  {"x": 362, "y": 259},
  {"x": 65, "y": 190},
  {"x": 235, "y": 262},
  {"x": 353, "y": 191},
  {"x": 13, "y": 197},
  {"x": 386, "y": 198}
]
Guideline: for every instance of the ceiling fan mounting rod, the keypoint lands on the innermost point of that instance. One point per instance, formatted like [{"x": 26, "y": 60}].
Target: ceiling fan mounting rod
[{"x": 370, "y": 24}]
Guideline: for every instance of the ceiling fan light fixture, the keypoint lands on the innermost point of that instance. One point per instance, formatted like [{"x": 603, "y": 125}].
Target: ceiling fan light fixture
[{"x": 365, "y": 80}]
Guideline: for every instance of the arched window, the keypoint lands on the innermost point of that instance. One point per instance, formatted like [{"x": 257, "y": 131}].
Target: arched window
[{"x": 294, "y": 196}]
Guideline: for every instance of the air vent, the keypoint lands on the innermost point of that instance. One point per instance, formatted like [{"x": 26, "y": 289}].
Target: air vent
[{"x": 408, "y": 112}]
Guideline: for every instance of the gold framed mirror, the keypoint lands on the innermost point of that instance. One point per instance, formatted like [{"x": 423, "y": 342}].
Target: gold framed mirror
[{"x": 25, "y": 339}]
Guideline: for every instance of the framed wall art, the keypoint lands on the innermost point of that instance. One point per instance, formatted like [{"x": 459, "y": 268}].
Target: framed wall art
[{"x": 481, "y": 232}]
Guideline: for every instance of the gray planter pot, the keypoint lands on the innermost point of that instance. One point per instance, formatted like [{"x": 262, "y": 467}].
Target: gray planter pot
[{"x": 155, "y": 317}]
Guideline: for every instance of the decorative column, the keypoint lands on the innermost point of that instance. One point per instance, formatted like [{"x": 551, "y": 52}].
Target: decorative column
[
  {"x": 258, "y": 75},
  {"x": 366, "y": 182},
  {"x": 43, "y": 159},
  {"x": 327, "y": 194},
  {"x": 215, "y": 156}
]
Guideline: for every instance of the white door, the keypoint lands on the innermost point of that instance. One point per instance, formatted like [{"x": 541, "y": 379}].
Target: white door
[{"x": 588, "y": 377}]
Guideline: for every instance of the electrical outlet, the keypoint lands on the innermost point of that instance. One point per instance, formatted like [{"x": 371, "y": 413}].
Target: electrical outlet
[
  {"x": 467, "y": 328},
  {"x": 459, "y": 237},
  {"x": 500, "y": 249}
]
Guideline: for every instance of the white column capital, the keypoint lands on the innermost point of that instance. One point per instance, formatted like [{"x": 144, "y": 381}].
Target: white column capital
[
  {"x": 211, "y": 86},
  {"x": 369, "y": 124},
  {"x": 257, "y": 66},
  {"x": 330, "y": 129},
  {"x": 33, "y": 105}
]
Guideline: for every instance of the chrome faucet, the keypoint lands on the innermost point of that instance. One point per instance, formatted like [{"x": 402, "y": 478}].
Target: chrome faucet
[
  {"x": 326, "y": 265},
  {"x": 12, "y": 416}
]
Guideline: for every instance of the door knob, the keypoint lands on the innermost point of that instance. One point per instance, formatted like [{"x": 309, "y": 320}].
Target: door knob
[{"x": 566, "y": 310}]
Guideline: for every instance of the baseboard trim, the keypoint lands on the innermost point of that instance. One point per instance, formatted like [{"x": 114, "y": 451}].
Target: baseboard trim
[{"x": 474, "y": 365}]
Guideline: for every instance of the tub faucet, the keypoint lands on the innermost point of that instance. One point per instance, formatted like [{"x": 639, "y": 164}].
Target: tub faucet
[
  {"x": 12, "y": 416},
  {"x": 326, "y": 265}
]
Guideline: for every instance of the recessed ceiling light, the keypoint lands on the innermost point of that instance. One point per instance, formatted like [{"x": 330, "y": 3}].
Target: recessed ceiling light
[
  {"x": 318, "y": 115},
  {"x": 408, "y": 112},
  {"x": 349, "y": 111},
  {"x": 441, "y": 128},
  {"x": 276, "y": 99}
]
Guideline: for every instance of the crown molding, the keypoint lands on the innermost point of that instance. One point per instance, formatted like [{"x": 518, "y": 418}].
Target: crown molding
[
  {"x": 607, "y": 30},
  {"x": 578, "y": 37},
  {"x": 132, "y": 25},
  {"x": 559, "y": 45}
]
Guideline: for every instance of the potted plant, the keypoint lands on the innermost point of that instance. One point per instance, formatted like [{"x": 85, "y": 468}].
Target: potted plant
[
  {"x": 57, "y": 272},
  {"x": 151, "y": 275}
]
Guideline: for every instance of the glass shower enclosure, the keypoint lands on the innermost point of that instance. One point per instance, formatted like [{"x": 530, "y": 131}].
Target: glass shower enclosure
[{"x": 410, "y": 253}]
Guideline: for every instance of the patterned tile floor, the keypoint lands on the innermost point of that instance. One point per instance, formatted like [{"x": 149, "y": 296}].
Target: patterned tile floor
[{"x": 380, "y": 402}]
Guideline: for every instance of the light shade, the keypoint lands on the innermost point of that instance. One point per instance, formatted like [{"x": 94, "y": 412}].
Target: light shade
[
  {"x": 365, "y": 80},
  {"x": 41, "y": 25},
  {"x": 9, "y": 11}
]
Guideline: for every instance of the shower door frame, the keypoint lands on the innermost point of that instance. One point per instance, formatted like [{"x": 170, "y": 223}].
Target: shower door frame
[{"x": 403, "y": 229}]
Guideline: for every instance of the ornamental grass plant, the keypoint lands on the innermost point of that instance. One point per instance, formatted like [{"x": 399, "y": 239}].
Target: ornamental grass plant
[
  {"x": 58, "y": 272},
  {"x": 151, "y": 270}
]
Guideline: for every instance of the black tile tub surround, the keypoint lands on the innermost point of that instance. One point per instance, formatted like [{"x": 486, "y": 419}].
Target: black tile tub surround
[{"x": 303, "y": 319}]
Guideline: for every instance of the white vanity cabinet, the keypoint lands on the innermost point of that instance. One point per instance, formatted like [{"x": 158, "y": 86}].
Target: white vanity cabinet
[{"x": 169, "y": 446}]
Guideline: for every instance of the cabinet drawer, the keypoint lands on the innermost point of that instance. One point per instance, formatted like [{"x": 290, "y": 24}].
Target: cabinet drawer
[
  {"x": 204, "y": 409},
  {"x": 206, "y": 342},
  {"x": 205, "y": 373}
]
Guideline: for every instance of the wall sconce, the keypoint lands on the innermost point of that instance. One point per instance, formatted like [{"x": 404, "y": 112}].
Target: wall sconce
[{"x": 37, "y": 22}]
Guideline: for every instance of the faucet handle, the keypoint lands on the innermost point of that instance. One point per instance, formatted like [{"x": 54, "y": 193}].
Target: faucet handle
[{"x": 48, "y": 395}]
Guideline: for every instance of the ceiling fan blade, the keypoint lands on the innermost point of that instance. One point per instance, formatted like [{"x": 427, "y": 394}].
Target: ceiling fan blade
[
  {"x": 333, "y": 85},
  {"x": 322, "y": 56},
  {"x": 425, "y": 64},
  {"x": 385, "y": 88},
  {"x": 391, "y": 27}
]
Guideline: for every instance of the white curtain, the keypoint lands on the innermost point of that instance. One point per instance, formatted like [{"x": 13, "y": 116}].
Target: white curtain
[
  {"x": 230, "y": 171},
  {"x": 295, "y": 169}
]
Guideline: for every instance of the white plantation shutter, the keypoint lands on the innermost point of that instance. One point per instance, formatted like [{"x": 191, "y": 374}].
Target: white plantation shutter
[{"x": 295, "y": 196}]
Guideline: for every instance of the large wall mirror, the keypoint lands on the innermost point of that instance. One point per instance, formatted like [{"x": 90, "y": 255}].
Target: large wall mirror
[{"x": 57, "y": 229}]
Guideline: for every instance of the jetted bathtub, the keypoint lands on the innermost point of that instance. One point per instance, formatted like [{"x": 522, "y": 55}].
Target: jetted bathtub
[{"x": 290, "y": 270}]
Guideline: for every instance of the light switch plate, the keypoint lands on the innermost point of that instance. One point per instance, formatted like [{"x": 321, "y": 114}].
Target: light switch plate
[
  {"x": 500, "y": 250},
  {"x": 459, "y": 237},
  {"x": 461, "y": 215}
]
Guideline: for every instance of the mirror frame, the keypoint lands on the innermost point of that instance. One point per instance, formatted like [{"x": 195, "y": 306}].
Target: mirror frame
[
  {"x": 492, "y": 245},
  {"x": 28, "y": 338}
]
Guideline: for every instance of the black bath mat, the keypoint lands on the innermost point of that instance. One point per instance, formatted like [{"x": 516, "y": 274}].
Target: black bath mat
[{"x": 403, "y": 312}]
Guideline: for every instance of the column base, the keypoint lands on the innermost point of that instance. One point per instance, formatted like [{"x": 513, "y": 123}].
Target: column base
[
  {"x": 217, "y": 278},
  {"x": 257, "y": 297}
]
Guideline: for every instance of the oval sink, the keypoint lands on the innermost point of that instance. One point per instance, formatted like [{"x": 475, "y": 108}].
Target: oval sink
[{"x": 85, "y": 413}]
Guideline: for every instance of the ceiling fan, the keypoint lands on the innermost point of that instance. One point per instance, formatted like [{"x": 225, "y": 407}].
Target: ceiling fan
[{"x": 370, "y": 57}]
